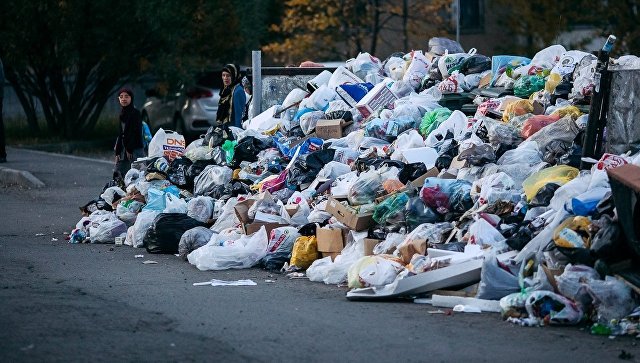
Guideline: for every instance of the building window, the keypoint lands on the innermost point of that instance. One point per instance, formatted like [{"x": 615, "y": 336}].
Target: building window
[{"x": 471, "y": 16}]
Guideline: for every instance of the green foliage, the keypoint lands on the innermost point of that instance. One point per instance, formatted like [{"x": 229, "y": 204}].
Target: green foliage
[{"x": 71, "y": 55}]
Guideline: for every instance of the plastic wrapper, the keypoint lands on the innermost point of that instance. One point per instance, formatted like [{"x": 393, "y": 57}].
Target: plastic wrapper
[
  {"x": 365, "y": 188},
  {"x": 563, "y": 130},
  {"x": 417, "y": 212},
  {"x": 525, "y": 86},
  {"x": 612, "y": 298},
  {"x": 560, "y": 174},
  {"x": 104, "y": 228},
  {"x": 376, "y": 270},
  {"x": 496, "y": 279},
  {"x": 484, "y": 234},
  {"x": 388, "y": 129},
  {"x": 242, "y": 253},
  {"x": 193, "y": 239},
  {"x": 211, "y": 176},
  {"x": 432, "y": 119},
  {"x": 556, "y": 309},
  {"x": 127, "y": 211},
  {"x": 622, "y": 132},
  {"x": 583, "y": 78},
  {"x": 534, "y": 124},
  {"x": 390, "y": 207},
  {"x": 305, "y": 251},
  {"x": 335, "y": 272},
  {"x": 417, "y": 70},
  {"x": 572, "y": 283},
  {"x": 573, "y": 233},
  {"x": 200, "y": 208}
]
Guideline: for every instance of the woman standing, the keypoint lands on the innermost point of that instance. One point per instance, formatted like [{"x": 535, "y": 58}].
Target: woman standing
[
  {"x": 232, "y": 97},
  {"x": 128, "y": 145}
]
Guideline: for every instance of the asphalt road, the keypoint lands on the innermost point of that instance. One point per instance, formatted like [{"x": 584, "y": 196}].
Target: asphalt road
[{"x": 64, "y": 302}]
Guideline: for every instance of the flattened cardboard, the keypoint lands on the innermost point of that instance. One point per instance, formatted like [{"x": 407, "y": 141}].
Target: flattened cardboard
[
  {"x": 331, "y": 129},
  {"x": 330, "y": 239},
  {"x": 346, "y": 216},
  {"x": 431, "y": 173},
  {"x": 242, "y": 210},
  {"x": 255, "y": 226},
  {"x": 369, "y": 244}
]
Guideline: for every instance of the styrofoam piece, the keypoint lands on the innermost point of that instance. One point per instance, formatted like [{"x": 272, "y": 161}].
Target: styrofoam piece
[
  {"x": 454, "y": 275},
  {"x": 442, "y": 301}
]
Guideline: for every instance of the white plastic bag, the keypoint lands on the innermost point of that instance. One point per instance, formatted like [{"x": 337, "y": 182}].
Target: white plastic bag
[
  {"x": 169, "y": 144},
  {"x": 132, "y": 176},
  {"x": 321, "y": 97},
  {"x": 448, "y": 61},
  {"x": 452, "y": 84},
  {"x": 407, "y": 140},
  {"x": 106, "y": 228},
  {"x": 200, "y": 208},
  {"x": 334, "y": 169},
  {"x": 141, "y": 226},
  {"x": 484, "y": 234},
  {"x": 128, "y": 210},
  {"x": 227, "y": 218},
  {"x": 341, "y": 76},
  {"x": 193, "y": 239},
  {"x": 210, "y": 177},
  {"x": 373, "y": 271},
  {"x": 456, "y": 123},
  {"x": 417, "y": 70},
  {"x": 174, "y": 204},
  {"x": 112, "y": 194},
  {"x": 242, "y": 253}
]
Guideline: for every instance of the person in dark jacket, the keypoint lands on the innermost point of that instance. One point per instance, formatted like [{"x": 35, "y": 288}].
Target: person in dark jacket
[
  {"x": 232, "y": 97},
  {"x": 128, "y": 145}
]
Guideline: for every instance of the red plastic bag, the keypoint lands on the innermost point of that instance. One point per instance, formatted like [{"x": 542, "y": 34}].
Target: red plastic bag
[
  {"x": 536, "y": 123},
  {"x": 435, "y": 198}
]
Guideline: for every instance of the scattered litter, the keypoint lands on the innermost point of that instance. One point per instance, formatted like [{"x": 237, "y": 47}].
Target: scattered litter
[
  {"x": 149, "y": 262},
  {"x": 216, "y": 282},
  {"x": 39, "y": 234},
  {"x": 53, "y": 239},
  {"x": 269, "y": 281},
  {"x": 138, "y": 256}
]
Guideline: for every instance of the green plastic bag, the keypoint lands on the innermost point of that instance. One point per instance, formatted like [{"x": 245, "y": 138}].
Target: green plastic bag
[
  {"x": 525, "y": 86},
  {"x": 390, "y": 207},
  {"x": 229, "y": 147},
  {"x": 432, "y": 119}
]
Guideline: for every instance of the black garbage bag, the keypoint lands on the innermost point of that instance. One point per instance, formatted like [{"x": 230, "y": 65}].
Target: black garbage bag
[
  {"x": 164, "y": 234},
  {"x": 195, "y": 169},
  {"x": 453, "y": 246},
  {"x": 376, "y": 162},
  {"x": 417, "y": 213},
  {"x": 306, "y": 168},
  {"x": 309, "y": 229},
  {"x": 544, "y": 195},
  {"x": 94, "y": 205},
  {"x": 447, "y": 150},
  {"x": 158, "y": 165},
  {"x": 477, "y": 63},
  {"x": 177, "y": 173},
  {"x": 411, "y": 172},
  {"x": 275, "y": 261},
  {"x": 337, "y": 115},
  {"x": 605, "y": 207},
  {"x": 248, "y": 148},
  {"x": 478, "y": 155},
  {"x": 318, "y": 159},
  {"x": 217, "y": 135},
  {"x": 520, "y": 239}
]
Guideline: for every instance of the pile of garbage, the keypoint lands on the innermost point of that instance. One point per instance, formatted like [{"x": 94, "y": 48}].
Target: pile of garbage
[{"x": 366, "y": 179}]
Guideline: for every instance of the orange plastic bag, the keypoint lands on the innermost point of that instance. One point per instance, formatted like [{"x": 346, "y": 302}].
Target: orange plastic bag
[{"x": 535, "y": 123}]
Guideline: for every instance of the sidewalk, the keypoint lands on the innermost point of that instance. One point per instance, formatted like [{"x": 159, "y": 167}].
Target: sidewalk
[{"x": 33, "y": 169}]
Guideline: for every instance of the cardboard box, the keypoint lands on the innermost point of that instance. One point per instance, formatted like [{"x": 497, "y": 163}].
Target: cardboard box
[
  {"x": 419, "y": 182},
  {"x": 330, "y": 239},
  {"x": 254, "y": 227},
  {"x": 369, "y": 244},
  {"x": 331, "y": 129},
  {"x": 291, "y": 209},
  {"x": 242, "y": 210},
  {"x": 348, "y": 217},
  {"x": 380, "y": 96}
]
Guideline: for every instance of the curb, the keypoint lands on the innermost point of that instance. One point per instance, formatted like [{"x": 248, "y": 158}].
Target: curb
[{"x": 20, "y": 177}]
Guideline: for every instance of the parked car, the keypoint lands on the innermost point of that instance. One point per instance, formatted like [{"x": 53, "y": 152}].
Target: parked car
[{"x": 190, "y": 110}]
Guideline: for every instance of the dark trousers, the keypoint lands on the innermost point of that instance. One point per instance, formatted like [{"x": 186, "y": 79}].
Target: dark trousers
[
  {"x": 124, "y": 164},
  {"x": 3, "y": 150}
]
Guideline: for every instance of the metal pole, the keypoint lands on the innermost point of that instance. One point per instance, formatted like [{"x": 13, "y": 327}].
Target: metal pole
[
  {"x": 256, "y": 71},
  {"x": 457, "y": 5}
]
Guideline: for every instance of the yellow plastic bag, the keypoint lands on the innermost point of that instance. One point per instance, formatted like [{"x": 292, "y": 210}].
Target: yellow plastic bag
[
  {"x": 559, "y": 174},
  {"x": 378, "y": 270},
  {"x": 572, "y": 111},
  {"x": 517, "y": 108},
  {"x": 573, "y": 233},
  {"x": 305, "y": 251}
]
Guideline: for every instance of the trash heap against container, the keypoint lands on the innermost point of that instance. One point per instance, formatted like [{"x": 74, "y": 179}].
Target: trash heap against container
[{"x": 390, "y": 177}]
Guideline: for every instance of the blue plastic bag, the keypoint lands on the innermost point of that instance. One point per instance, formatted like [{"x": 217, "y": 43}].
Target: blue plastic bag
[{"x": 586, "y": 203}]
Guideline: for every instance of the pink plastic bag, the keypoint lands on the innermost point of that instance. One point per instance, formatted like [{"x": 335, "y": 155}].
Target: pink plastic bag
[{"x": 536, "y": 123}]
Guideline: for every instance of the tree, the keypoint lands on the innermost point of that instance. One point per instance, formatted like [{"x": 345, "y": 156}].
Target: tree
[
  {"x": 342, "y": 28},
  {"x": 71, "y": 55},
  {"x": 537, "y": 24}
]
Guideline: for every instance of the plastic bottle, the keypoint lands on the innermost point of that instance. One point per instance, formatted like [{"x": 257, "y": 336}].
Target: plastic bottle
[{"x": 600, "y": 329}]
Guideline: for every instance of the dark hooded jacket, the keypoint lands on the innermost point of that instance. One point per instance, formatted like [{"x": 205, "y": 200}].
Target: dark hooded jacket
[{"x": 130, "y": 136}]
